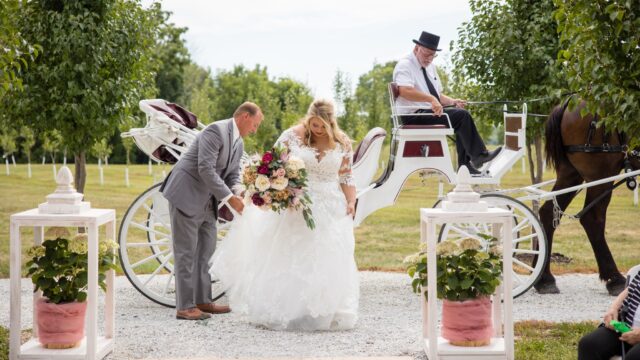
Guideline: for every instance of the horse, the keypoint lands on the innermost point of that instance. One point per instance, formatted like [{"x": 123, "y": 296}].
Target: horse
[{"x": 576, "y": 160}]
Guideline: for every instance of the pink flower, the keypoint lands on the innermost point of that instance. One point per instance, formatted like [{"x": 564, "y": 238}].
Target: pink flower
[
  {"x": 263, "y": 169},
  {"x": 257, "y": 200},
  {"x": 267, "y": 157},
  {"x": 295, "y": 201},
  {"x": 284, "y": 156},
  {"x": 280, "y": 172}
]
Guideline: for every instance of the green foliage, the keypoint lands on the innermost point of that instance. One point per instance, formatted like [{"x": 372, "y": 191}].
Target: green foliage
[
  {"x": 372, "y": 96},
  {"x": 51, "y": 142},
  {"x": 28, "y": 141},
  {"x": 8, "y": 138},
  {"x": 59, "y": 267},
  {"x": 15, "y": 52},
  {"x": 601, "y": 56},
  {"x": 96, "y": 69},
  {"x": 508, "y": 51},
  {"x": 283, "y": 101},
  {"x": 101, "y": 149},
  {"x": 347, "y": 107},
  {"x": 466, "y": 269},
  {"x": 172, "y": 56}
]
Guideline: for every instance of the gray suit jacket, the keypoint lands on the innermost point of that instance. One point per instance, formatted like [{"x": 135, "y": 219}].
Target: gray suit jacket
[{"x": 209, "y": 168}]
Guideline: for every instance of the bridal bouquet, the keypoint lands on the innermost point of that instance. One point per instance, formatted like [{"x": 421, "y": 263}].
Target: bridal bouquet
[{"x": 277, "y": 181}]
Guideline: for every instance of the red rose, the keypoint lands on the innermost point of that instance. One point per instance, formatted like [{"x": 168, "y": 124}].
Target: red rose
[
  {"x": 257, "y": 200},
  {"x": 267, "y": 157},
  {"x": 263, "y": 169}
]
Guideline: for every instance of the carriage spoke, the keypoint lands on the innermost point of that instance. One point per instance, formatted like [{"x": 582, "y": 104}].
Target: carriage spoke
[
  {"x": 155, "y": 272},
  {"x": 520, "y": 225},
  {"x": 465, "y": 233},
  {"x": 155, "y": 215},
  {"x": 520, "y": 263},
  {"x": 149, "y": 229},
  {"x": 526, "y": 251},
  {"x": 162, "y": 242},
  {"x": 523, "y": 238},
  {"x": 166, "y": 285},
  {"x": 150, "y": 258},
  {"x": 515, "y": 276}
]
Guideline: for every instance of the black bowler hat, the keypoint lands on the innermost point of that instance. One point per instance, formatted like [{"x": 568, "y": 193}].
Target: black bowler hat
[{"x": 428, "y": 40}]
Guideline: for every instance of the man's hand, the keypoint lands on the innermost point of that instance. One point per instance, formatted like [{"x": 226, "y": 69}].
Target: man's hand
[
  {"x": 632, "y": 337},
  {"x": 236, "y": 203},
  {"x": 436, "y": 107},
  {"x": 459, "y": 103},
  {"x": 611, "y": 314}
]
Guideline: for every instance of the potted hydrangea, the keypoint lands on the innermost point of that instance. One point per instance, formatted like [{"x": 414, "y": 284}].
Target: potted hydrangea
[
  {"x": 468, "y": 272},
  {"x": 59, "y": 268}
]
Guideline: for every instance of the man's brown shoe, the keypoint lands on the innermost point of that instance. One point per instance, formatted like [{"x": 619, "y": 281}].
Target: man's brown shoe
[
  {"x": 191, "y": 314},
  {"x": 212, "y": 308}
]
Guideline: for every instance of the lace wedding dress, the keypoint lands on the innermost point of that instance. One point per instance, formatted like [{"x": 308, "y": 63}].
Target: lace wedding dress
[{"x": 281, "y": 274}]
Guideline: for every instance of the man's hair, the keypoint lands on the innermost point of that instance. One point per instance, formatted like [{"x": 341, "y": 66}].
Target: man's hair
[{"x": 246, "y": 107}]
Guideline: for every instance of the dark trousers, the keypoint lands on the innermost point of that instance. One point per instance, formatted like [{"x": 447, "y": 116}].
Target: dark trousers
[
  {"x": 469, "y": 144},
  {"x": 602, "y": 344}
]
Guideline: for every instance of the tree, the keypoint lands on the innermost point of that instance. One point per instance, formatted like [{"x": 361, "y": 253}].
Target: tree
[
  {"x": 601, "y": 56},
  {"x": 281, "y": 101},
  {"x": 101, "y": 150},
  {"x": 51, "y": 143},
  {"x": 372, "y": 95},
  {"x": 98, "y": 65},
  {"x": 347, "y": 107},
  {"x": 508, "y": 51},
  {"x": 8, "y": 143},
  {"x": 28, "y": 141},
  {"x": 15, "y": 52},
  {"x": 173, "y": 57}
]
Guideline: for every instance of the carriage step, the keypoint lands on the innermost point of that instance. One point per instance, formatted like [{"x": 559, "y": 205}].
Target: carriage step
[{"x": 297, "y": 358}]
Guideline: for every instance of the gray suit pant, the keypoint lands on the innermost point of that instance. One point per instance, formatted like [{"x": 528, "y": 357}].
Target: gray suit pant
[{"x": 194, "y": 241}]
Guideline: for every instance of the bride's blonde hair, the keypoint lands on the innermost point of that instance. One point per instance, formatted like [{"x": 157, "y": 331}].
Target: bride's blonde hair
[{"x": 323, "y": 110}]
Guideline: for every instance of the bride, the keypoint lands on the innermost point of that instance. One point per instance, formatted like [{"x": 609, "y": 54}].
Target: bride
[{"x": 281, "y": 274}]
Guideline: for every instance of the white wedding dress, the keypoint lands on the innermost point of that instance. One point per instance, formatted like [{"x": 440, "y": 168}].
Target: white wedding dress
[{"x": 281, "y": 274}]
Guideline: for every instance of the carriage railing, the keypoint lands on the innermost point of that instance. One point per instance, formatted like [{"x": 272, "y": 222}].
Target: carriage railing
[{"x": 393, "y": 95}]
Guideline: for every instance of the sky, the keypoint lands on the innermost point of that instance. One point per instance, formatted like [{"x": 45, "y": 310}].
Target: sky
[{"x": 310, "y": 40}]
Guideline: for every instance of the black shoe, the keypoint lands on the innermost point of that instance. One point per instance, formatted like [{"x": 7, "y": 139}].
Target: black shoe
[
  {"x": 472, "y": 171},
  {"x": 485, "y": 157}
]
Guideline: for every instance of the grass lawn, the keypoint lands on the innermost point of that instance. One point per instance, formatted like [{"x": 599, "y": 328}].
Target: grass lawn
[
  {"x": 382, "y": 241},
  {"x": 534, "y": 340}
]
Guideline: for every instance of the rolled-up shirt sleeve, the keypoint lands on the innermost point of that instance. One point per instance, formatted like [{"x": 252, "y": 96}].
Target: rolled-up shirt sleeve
[{"x": 402, "y": 74}]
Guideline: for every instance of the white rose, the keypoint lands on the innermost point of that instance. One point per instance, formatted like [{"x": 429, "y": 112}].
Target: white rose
[
  {"x": 280, "y": 183},
  {"x": 262, "y": 183},
  {"x": 295, "y": 163}
]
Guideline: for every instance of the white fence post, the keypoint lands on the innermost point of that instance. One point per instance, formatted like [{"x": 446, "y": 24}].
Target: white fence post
[
  {"x": 13, "y": 159},
  {"x": 29, "y": 169},
  {"x": 150, "y": 167},
  {"x": 635, "y": 195},
  {"x": 6, "y": 162},
  {"x": 126, "y": 176}
]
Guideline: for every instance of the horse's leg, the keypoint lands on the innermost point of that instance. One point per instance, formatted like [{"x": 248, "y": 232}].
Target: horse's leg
[
  {"x": 593, "y": 222},
  {"x": 567, "y": 176}
]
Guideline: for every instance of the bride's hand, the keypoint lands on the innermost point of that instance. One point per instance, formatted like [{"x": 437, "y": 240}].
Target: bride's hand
[{"x": 351, "y": 208}]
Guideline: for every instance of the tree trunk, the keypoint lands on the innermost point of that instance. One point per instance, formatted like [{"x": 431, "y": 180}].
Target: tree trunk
[{"x": 80, "y": 177}]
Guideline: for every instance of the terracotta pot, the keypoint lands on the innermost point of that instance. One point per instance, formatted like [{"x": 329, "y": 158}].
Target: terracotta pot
[
  {"x": 60, "y": 326},
  {"x": 467, "y": 323}
]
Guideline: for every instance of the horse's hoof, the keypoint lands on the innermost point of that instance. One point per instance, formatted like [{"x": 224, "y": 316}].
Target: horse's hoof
[
  {"x": 547, "y": 288},
  {"x": 616, "y": 285}
]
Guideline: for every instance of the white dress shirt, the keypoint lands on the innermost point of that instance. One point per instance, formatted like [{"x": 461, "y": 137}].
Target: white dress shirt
[
  {"x": 408, "y": 72},
  {"x": 236, "y": 135}
]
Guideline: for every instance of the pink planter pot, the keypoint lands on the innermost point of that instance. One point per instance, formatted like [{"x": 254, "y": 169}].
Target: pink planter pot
[
  {"x": 467, "y": 323},
  {"x": 60, "y": 326}
]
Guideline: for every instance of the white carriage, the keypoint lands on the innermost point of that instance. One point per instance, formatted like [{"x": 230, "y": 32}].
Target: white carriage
[{"x": 145, "y": 233}]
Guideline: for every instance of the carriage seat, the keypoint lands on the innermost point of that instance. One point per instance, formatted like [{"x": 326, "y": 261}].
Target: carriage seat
[
  {"x": 394, "y": 93},
  {"x": 366, "y": 143}
]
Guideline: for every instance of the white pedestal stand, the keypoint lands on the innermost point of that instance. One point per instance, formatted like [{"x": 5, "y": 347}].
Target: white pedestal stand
[
  {"x": 92, "y": 346},
  {"x": 463, "y": 207}
]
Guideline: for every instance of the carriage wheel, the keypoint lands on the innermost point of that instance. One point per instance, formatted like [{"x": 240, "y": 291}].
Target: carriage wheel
[
  {"x": 529, "y": 242},
  {"x": 146, "y": 251}
]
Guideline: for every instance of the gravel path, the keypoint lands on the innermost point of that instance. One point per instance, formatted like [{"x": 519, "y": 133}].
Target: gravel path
[{"x": 389, "y": 323}]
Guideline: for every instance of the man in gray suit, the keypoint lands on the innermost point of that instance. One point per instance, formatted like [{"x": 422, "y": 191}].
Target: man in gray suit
[{"x": 198, "y": 182}]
